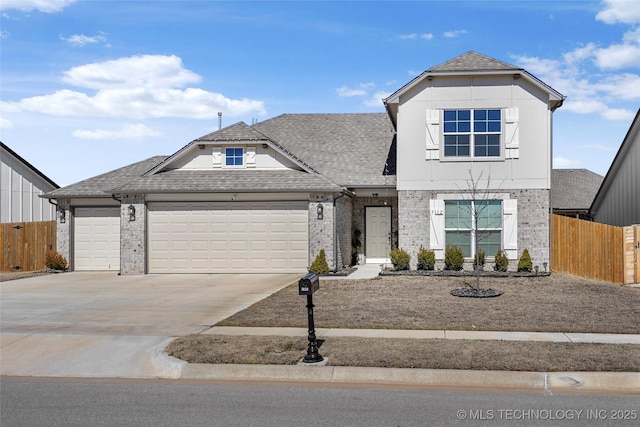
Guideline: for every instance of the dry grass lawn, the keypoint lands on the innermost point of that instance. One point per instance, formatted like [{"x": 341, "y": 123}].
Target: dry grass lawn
[{"x": 558, "y": 303}]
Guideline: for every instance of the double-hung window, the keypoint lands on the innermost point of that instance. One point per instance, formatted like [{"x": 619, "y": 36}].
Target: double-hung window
[
  {"x": 472, "y": 133},
  {"x": 233, "y": 157},
  {"x": 462, "y": 217}
]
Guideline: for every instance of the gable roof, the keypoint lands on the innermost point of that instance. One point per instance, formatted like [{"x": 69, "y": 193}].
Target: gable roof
[
  {"x": 354, "y": 150},
  {"x": 99, "y": 186},
  {"x": 618, "y": 160},
  {"x": 471, "y": 63},
  {"x": 29, "y": 165},
  {"x": 573, "y": 189}
]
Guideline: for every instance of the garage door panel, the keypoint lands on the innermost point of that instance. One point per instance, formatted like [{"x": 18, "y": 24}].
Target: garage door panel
[
  {"x": 228, "y": 237},
  {"x": 97, "y": 239}
]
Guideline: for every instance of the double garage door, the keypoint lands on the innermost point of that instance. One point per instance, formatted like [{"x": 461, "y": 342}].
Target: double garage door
[{"x": 215, "y": 237}]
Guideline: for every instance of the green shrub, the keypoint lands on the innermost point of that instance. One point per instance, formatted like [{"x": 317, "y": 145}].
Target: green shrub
[
  {"x": 478, "y": 259},
  {"x": 501, "y": 261},
  {"x": 55, "y": 261},
  {"x": 525, "y": 264},
  {"x": 400, "y": 259},
  {"x": 453, "y": 258},
  {"x": 320, "y": 265},
  {"x": 426, "y": 259}
]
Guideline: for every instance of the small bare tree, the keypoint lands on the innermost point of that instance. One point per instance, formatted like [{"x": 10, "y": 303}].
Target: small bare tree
[{"x": 480, "y": 198}]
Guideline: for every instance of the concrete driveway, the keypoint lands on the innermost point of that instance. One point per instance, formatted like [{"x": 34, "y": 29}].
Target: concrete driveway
[{"x": 105, "y": 325}]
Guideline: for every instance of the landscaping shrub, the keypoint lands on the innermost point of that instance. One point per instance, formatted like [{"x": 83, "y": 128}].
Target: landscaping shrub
[
  {"x": 501, "y": 261},
  {"x": 525, "y": 264},
  {"x": 426, "y": 259},
  {"x": 320, "y": 265},
  {"x": 55, "y": 261},
  {"x": 478, "y": 259},
  {"x": 453, "y": 258},
  {"x": 400, "y": 259}
]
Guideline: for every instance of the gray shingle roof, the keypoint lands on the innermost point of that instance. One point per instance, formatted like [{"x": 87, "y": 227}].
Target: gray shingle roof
[
  {"x": 574, "y": 188},
  {"x": 350, "y": 149},
  {"x": 472, "y": 61},
  {"x": 237, "y": 132},
  {"x": 226, "y": 180},
  {"x": 99, "y": 186}
]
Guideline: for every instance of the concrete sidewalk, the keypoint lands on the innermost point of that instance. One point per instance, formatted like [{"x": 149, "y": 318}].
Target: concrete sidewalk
[{"x": 568, "y": 337}]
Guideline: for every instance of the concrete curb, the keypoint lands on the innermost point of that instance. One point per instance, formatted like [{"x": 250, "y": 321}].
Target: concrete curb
[{"x": 623, "y": 381}]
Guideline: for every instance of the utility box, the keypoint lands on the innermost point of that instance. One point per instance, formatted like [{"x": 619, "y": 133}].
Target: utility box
[{"x": 308, "y": 284}]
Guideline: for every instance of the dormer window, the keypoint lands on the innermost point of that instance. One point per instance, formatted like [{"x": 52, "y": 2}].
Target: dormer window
[{"x": 234, "y": 157}]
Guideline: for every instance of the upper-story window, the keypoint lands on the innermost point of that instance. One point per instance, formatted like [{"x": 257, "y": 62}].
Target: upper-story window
[
  {"x": 472, "y": 133},
  {"x": 234, "y": 156}
]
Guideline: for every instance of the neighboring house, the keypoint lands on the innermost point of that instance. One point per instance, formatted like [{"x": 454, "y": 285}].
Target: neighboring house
[
  {"x": 617, "y": 201},
  {"x": 269, "y": 197},
  {"x": 21, "y": 186},
  {"x": 573, "y": 191}
]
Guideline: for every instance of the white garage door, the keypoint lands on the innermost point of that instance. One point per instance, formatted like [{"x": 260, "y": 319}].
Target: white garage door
[
  {"x": 228, "y": 237},
  {"x": 97, "y": 239}
]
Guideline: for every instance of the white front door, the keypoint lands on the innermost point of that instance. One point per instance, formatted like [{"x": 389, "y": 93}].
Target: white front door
[{"x": 378, "y": 234}]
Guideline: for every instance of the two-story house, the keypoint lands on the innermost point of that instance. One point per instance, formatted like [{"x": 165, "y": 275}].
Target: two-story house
[
  {"x": 268, "y": 197},
  {"x": 474, "y": 153}
]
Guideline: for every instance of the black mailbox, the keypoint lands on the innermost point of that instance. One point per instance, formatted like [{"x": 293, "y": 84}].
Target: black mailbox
[{"x": 308, "y": 284}]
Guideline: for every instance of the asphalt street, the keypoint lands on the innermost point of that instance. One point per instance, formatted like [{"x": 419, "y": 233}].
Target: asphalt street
[{"x": 112, "y": 402}]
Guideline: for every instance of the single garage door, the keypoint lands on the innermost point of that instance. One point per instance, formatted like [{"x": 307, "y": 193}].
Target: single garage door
[
  {"x": 216, "y": 237},
  {"x": 97, "y": 239}
]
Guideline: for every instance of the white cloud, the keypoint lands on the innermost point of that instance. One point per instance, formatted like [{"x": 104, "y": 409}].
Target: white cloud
[
  {"x": 137, "y": 87},
  {"x": 376, "y": 99},
  {"x": 564, "y": 163},
  {"x": 623, "y": 86},
  {"x": 618, "y": 114},
  {"x": 148, "y": 71},
  {"x": 624, "y": 11},
  {"x": 414, "y": 36},
  {"x": 622, "y": 55},
  {"x": 360, "y": 90},
  {"x": 4, "y": 34},
  {"x": 600, "y": 147},
  {"x": 455, "y": 33},
  {"x": 136, "y": 132},
  {"x": 5, "y": 123},
  {"x": 46, "y": 6},
  {"x": 82, "y": 40}
]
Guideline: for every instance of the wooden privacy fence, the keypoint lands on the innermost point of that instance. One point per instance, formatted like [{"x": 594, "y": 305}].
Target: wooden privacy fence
[
  {"x": 595, "y": 251},
  {"x": 25, "y": 244}
]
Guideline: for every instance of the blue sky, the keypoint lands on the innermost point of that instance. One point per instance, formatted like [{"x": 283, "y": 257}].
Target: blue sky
[{"x": 89, "y": 86}]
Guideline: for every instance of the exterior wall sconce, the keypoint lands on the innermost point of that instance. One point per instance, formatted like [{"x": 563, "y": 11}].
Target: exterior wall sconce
[
  {"x": 62, "y": 215},
  {"x": 201, "y": 146},
  {"x": 132, "y": 212},
  {"x": 375, "y": 195},
  {"x": 320, "y": 211}
]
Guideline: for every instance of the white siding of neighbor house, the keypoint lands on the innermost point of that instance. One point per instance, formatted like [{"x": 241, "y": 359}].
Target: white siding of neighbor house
[
  {"x": 20, "y": 188},
  {"x": 255, "y": 156},
  {"x": 420, "y": 167}
]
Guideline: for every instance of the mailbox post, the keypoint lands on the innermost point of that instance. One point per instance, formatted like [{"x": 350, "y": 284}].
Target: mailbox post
[{"x": 307, "y": 286}]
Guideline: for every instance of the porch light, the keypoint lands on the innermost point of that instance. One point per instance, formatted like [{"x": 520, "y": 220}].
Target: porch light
[
  {"x": 375, "y": 195},
  {"x": 320, "y": 211},
  {"x": 62, "y": 215},
  {"x": 132, "y": 213}
]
